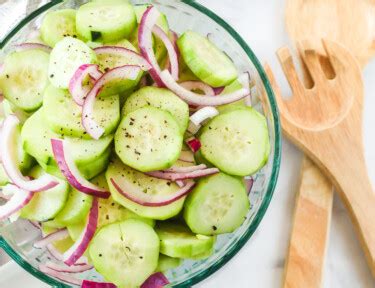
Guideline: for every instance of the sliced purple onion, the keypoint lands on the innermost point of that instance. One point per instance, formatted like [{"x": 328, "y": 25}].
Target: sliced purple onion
[
  {"x": 17, "y": 201},
  {"x": 183, "y": 176},
  {"x": 194, "y": 144},
  {"x": 63, "y": 277},
  {"x": 76, "y": 88},
  {"x": 203, "y": 114},
  {"x": 71, "y": 172},
  {"x": 79, "y": 247},
  {"x": 60, "y": 234},
  {"x": 198, "y": 85},
  {"x": 218, "y": 90},
  {"x": 148, "y": 21},
  {"x": 185, "y": 169},
  {"x": 60, "y": 257},
  {"x": 92, "y": 284},
  {"x": 186, "y": 156},
  {"x": 249, "y": 182},
  {"x": 88, "y": 121},
  {"x": 30, "y": 46},
  {"x": 198, "y": 99},
  {"x": 172, "y": 53},
  {"x": 138, "y": 196},
  {"x": 35, "y": 224},
  {"x": 156, "y": 280},
  {"x": 68, "y": 269},
  {"x": 7, "y": 147},
  {"x": 133, "y": 56}
]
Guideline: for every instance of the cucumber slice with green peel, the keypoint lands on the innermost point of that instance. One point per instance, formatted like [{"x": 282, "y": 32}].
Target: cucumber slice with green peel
[
  {"x": 124, "y": 174},
  {"x": 75, "y": 230},
  {"x": 58, "y": 24},
  {"x": 205, "y": 60},
  {"x": 51, "y": 226},
  {"x": 232, "y": 87},
  {"x": 166, "y": 263},
  {"x": 217, "y": 205},
  {"x": 63, "y": 245},
  {"x": 24, "y": 160},
  {"x": 105, "y": 21},
  {"x": 199, "y": 159},
  {"x": 178, "y": 241},
  {"x": 10, "y": 108},
  {"x": 185, "y": 74},
  {"x": 47, "y": 204},
  {"x": 236, "y": 142},
  {"x": 75, "y": 209},
  {"x": 4, "y": 180},
  {"x": 63, "y": 115},
  {"x": 88, "y": 154},
  {"x": 203, "y": 255},
  {"x": 160, "y": 98},
  {"x": 125, "y": 253},
  {"x": 65, "y": 58},
  {"x": 24, "y": 78},
  {"x": 148, "y": 139}
]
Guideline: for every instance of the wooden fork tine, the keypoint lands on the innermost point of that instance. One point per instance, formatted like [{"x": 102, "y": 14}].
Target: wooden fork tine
[{"x": 286, "y": 62}]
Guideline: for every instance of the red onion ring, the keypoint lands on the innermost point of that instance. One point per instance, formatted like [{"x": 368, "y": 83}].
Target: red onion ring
[
  {"x": 198, "y": 85},
  {"x": 59, "y": 256},
  {"x": 133, "y": 56},
  {"x": 249, "y": 182},
  {"x": 203, "y": 114},
  {"x": 30, "y": 46},
  {"x": 186, "y": 156},
  {"x": 59, "y": 275},
  {"x": 156, "y": 280},
  {"x": 52, "y": 237},
  {"x": 76, "y": 89},
  {"x": 198, "y": 99},
  {"x": 183, "y": 176},
  {"x": 218, "y": 90},
  {"x": 143, "y": 199},
  {"x": 68, "y": 269},
  {"x": 71, "y": 172},
  {"x": 88, "y": 122},
  {"x": 79, "y": 247},
  {"x": 171, "y": 49},
  {"x": 35, "y": 224},
  {"x": 194, "y": 144},
  {"x": 18, "y": 200},
  {"x": 185, "y": 169},
  {"x": 7, "y": 146},
  {"x": 91, "y": 284},
  {"x": 148, "y": 21}
]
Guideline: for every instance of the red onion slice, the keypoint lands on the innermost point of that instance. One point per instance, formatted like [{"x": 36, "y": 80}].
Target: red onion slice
[
  {"x": 187, "y": 156},
  {"x": 171, "y": 49},
  {"x": 76, "y": 88},
  {"x": 79, "y": 247},
  {"x": 182, "y": 176},
  {"x": 146, "y": 26},
  {"x": 30, "y": 46},
  {"x": 194, "y": 144},
  {"x": 88, "y": 121},
  {"x": 157, "y": 280},
  {"x": 92, "y": 284},
  {"x": 59, "y": 256},
  {"x": 68, "y": 269},
  {"x": 137, "y": 196},
  {"x": 18, "y": 200},
  {"x": 218, "y": 90},
  {"x": 59, "y": 275},
  {"x": 35, "y": 224},
  {"x": 198, "y": 85},
  {"x": 7, "y": 147},
  {"x": 249, "y": 182},
  {"x": 198, "y": 99},
  {"x": 185, "y": 169},
  {"x": 133, "y": 56},
  {"x": 203, "y": 114},
  {"x": 50, "y": 238},
  {"x": 71, "y": 172}
]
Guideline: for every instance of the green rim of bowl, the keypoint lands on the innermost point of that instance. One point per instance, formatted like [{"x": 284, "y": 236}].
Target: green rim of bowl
[{"x": 276, "y": 161}]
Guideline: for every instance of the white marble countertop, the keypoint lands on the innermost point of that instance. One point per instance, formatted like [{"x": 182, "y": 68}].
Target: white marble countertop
[{"x": 260, "y": 263}]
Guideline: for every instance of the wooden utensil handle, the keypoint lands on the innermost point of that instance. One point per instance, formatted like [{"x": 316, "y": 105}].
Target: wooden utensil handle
[{"x": 309, "y": 239}]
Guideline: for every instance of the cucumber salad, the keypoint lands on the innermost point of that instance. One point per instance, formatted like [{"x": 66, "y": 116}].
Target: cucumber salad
[{"x": 130, "y": 146}]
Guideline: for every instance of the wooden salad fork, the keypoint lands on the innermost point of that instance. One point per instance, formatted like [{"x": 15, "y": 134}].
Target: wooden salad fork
[{"x": 325, "y": 121}]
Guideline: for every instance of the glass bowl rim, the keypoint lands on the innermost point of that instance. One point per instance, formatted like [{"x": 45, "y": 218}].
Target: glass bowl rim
[{"x": 276, "y": 159}]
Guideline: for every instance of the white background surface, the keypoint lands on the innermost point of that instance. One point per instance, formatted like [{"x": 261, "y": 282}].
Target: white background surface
[{"x": 260, "y": 263}]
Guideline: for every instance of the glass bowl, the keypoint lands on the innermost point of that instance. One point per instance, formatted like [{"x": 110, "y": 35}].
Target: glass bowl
[{"x": 17, "y": 237}]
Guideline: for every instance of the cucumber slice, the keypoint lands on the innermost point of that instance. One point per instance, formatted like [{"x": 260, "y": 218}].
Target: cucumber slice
[
  {"x": 203, "y": 255},
  {"x": 24, "y": 78},
  {"x": 51, "y": 226},
  {"x": 47, "y": 204},
  {"x": 105, "y": 20},
  {"x": 217, "y": 205},
  {"x": 24, "y": 160},
  {"x": 166, "y": 263},
  {"x": 66, "y": 57},
  {"x": 87, "y": 154},
  {"x": 206, "y": 61},
  {"x": 10, "y": 108},
  {"x": 162, "y": 99},
  {"x": 179, "y": 242},
  {"x": 75, "y": 209},
  {"x": 236, "y": 142},
  {"x": 124, "y": 174},
  {"x": 63, "y": 115},
  {"x": 58, "y": 24},
  {"x": 199, "y": 159},
  {"x": 125, "y": 253},
  {"x": 148, "y": 139},
  {"x": 232, "y": 87}
]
